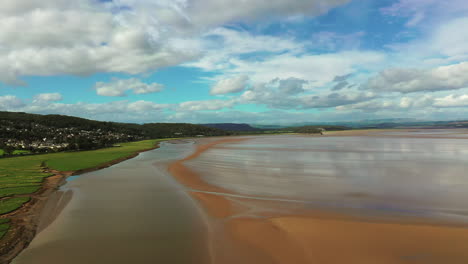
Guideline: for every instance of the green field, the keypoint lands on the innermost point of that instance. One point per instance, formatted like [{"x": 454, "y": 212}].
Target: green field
[
  {"x": 19, "y": 152},
  {"x": 4, "y": 226},
  {"x": 16, "y": 152},
  {"x": 23, "y": 175}
]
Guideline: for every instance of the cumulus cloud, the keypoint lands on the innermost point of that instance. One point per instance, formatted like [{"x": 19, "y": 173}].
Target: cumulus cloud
[
  {"x": 278, "y": 71},
  {"x": 121, "y": 111},
  {"x": 414, "y": 103},
  {"x": 452, "y": 101},
  {"x": 118, "y": 87},
  {"x": 340, "y": 86},
  {"x": 291, "y": 85},
  {"x": 290, "y": 94},
  {"x": 335, "y": 99},
  {"x": 206, "y": 13},
  {"x": 10, "y": 102},
  {"x": 145, "y": 106},
  {"x": 81, "y": 39},
  {"x": 414, "y": 80},
  {"x": 19, "y": 7},
  {"x": 48, "y": 97},
  {"x": 275, "y": 95},
  {"x": 127, "y": 36},
  {"x": 374, "y": 105},
  {"x": 231, "y": 85},
  {"x": 233, "y": 52},
  {"x": 214, "y": 104},
  {"x": 342, "y": 78},
  {"x": 222, "y": 44},
  {"x": 320, "y": 69}
]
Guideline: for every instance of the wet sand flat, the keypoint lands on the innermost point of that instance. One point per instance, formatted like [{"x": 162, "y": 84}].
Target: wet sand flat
[
  {"x": 133, "y": 212},
  {"x": 415, "y": 176},
  {"x": 359, "y": 199}
]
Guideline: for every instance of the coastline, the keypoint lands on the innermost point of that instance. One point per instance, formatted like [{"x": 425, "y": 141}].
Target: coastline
[
  {"x": 25, "y": 220},
  {"x": 303, "y": 235},
  {"x": 287, "y": 237}
]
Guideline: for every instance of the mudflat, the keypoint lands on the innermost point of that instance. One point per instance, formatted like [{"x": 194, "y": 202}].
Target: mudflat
[
  {"x": 133, "y": 212},
  {"x": 352, "y": 198}
]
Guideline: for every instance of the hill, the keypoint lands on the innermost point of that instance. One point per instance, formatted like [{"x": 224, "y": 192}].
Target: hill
[
  {"x": 232, "y": 127},
  {"x": 44, "y": 133},
  {"x": 312, "y": 129}
]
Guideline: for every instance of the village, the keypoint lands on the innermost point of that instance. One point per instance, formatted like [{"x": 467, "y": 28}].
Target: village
[{"x": 38, "y": 138}]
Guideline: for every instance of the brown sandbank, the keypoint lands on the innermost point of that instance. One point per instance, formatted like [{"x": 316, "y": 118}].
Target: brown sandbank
[
  {"x": 297, "y": 235},
  {"x": 189, "y": 178}
]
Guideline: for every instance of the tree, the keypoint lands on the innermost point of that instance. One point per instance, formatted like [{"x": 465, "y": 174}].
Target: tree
[{"x": 9, "y": 150}]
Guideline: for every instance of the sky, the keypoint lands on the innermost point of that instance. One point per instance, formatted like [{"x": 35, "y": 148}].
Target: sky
[{"x": 255, "y": 61}]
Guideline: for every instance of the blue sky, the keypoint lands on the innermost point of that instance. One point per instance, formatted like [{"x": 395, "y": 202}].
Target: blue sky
[{"x": 203, "y": 61}]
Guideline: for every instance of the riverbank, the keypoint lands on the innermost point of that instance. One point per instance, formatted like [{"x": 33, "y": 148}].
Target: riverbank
[
  {"x": 132, "y": 212},
  {"x": 263, "y": 230},
  {"x": 24, "y": 220}
]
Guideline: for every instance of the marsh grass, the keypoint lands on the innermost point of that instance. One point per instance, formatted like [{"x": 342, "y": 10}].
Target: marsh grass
[
  {"x": 4, "y": 226},
  {"x": 16, "y": 152}
]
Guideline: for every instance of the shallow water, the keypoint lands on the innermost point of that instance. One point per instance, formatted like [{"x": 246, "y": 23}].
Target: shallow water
[
  {"x": 133, "y": 212},
  {"x": 456, "y": 133},
  {"x": 397, "y": 175}
]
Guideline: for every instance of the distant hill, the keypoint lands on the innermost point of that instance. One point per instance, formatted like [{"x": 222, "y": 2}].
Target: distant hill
[
  {"x": 315, "y": 129},
  {"x": 269, "y": 127},
  {"x": 232, "y": 127},
  {"x": 375, "y": 123},
  {"x": 164, "y": 130}
]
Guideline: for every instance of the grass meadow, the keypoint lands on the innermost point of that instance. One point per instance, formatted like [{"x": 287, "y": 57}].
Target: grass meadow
[{"x": 16, "y": 152}]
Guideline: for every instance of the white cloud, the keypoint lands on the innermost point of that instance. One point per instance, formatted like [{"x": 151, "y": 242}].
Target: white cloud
[
  {"x": 290, "y": 94},
  {"x": 221, "y": 44},
  {"x": 319, "y": 69},
  {"x": 215, "y": 104},
  {"x": 374, "y": 105},
  {"x": 206, "y": 13},
  {"x": 46, "y": 38},
  {"x": 419, "y": 11},
  {"x": 335, "y": 99},
  {"x": 145, "y": 106},
  {"x": 291, "y": 85},
  {"x": 10, "y": 102},
  {"x": 122, "y": 111},
  {"x": 450, "y": 38},
  {"x": 118, "y": 87},
  {"x": 427, "y": 103},
  {"x": 81, "y": 39},
  {"x": 48, "y": 97},
  {"x": 452, "y": 101},
  {"x": 231, "y": 85},
  {"x": 137, "y": 36},
  {"x": 441, "y": 42},
  {"x": 413, "y": 80},
  {"x": 234, "y": 53}
]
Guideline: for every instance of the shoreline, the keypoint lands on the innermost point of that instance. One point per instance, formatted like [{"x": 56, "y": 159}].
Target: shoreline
[
  {"x": 25, "y": 220},
  {"x": 303, "y": 235}
]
